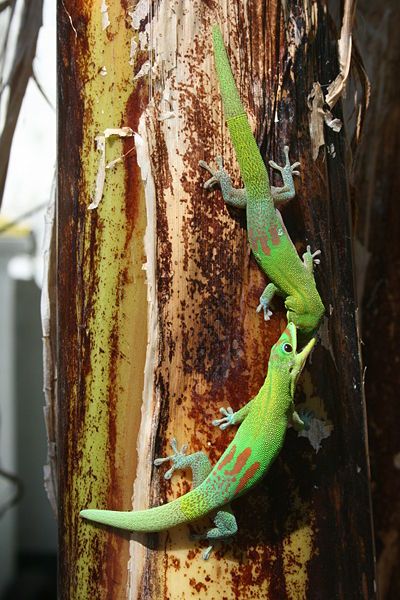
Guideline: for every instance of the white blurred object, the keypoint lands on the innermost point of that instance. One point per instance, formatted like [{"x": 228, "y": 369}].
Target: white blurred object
[{"x": 33, "y": 153}]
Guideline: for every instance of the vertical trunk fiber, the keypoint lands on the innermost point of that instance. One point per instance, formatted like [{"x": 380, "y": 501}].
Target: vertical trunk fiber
[{"x": 305, "y": 532}]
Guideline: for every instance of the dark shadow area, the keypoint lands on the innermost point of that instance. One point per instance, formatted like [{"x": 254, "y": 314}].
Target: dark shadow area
[{"x": 36, "y": 578}]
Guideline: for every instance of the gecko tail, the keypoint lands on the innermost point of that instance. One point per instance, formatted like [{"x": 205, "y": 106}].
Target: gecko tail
[
  {"x": 233, "y": 106},
  {"x": 252, "y": 168},
  {"x": 153, "y": 519}
]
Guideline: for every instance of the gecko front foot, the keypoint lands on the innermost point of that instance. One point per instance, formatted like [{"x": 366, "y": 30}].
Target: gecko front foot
[
  {"x": 178, "y": 458},
  {"x": 264, "y": 306},
  {"x": 306, "y": 415},
  {"x": 309, "y": 259},
  {"x": 227, "y": 420},
  {"x": 265, "y": 299}
]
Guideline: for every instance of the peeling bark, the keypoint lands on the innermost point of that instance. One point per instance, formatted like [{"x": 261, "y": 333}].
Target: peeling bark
[
  {"x": 49, "y": 336},
  {"x": 302, "y": 533}
]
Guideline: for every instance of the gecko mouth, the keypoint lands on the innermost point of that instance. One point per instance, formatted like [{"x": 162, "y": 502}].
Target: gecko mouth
[
  {"x": 299, "y": 362},
  {"x": 301, "y": 357}
]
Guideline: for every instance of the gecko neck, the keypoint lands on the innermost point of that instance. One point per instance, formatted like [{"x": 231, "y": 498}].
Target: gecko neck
[{"x": 274, "y": 397}]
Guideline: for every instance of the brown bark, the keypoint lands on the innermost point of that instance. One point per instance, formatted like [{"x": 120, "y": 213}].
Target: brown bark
[{"x": 377, "y": 191}]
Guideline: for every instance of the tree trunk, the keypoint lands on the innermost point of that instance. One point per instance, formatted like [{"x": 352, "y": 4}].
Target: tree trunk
[
  {"x": 134, "y": 374},
  {"x": 377, "y": 191}
]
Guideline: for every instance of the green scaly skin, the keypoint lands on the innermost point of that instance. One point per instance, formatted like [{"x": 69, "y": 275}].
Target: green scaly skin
[
  {"x": 246, "y": 460},
  {"x": 272, "y": 247}
]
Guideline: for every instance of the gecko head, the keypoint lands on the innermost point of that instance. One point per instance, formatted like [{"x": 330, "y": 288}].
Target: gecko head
[{"x": 284, "y": 355}]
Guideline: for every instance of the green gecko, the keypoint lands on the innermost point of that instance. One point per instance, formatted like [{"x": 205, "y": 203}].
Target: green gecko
[
  {"x": 273, "y": 249},
  {"x": 246, "y": 460}
]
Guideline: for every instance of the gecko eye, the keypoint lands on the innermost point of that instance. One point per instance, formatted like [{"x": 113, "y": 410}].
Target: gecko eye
[{"x": 287, "y": 348}]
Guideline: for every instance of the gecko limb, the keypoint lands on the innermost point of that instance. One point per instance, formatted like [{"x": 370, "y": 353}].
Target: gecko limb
[
  {"x": 233, "y": 418},
  {"x": 309, "y": 259},
  {"x": 287, "y": 192},
  {"x": 265, "y": 299},
  {"x": 297, "y": 422},
  {"x": 305, "y": 415},
  {"x": 225, "y": 527},
  {"x": 219, "y": 176},
  {"x": 227, "y": 420},
  {"x": 198, "y": 462}
]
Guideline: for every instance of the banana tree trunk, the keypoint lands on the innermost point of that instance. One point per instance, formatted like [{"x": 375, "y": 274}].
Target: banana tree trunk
[
  {"x": 376, "y": 192},
  {"x": 157, "y": 292}
]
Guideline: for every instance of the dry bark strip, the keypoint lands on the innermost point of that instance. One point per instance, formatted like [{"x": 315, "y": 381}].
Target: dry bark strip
[{"x": 306, "y": 531}]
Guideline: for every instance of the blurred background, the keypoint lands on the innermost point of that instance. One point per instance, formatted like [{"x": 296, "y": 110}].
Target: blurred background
[{"x": 28, "y": 535}]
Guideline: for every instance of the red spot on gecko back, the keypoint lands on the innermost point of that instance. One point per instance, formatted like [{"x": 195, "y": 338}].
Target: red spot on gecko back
[
  {"x": 253, "y": 239},
  {"x": 240, "y": 462},
  {"x": 251, "y": 471},
  {"x": 264, "y": 245},
  {"x": 259, "y": 238},
  {"x": 273, "y": 232},
  {"x": 227, "y": 458}
]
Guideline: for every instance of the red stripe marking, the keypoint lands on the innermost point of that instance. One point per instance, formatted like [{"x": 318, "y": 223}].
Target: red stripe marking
[
  {"x": 253, "y": 239},
  {"x": 264, "y": 245},
  {"x": 251, "y": 471},
  {"x": 259, "y": 238},
  {"x": 240, "y": 462},
  {"x": 227, "y": 458},
  {"x": 273, "y": 232}
]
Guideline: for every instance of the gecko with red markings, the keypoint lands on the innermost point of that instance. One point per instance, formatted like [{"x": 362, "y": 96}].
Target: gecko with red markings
[
  {"x": 246, "y": 460},
  {"x": 272, "y": 247}
]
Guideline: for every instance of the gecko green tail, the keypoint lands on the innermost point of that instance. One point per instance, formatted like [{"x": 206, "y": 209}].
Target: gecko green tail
[
  {"x": 233, "y": 106},
  {"x": 252, "y": 167},
  {"x": 153, "y": 519},
  {"x": 189, "y": 507}
]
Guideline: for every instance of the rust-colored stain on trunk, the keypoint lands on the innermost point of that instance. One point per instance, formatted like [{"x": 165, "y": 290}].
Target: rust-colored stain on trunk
[{"x": 301, "y": 533}]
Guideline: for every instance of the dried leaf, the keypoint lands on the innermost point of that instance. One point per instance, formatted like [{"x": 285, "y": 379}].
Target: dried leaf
[{"x": 337, "y": 87}]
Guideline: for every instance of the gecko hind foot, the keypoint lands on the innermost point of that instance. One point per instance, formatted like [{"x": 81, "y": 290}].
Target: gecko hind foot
[
  {"x": 216, "y": 174},
  {"x": 287, "y": 167},
  {"x": 232, "y": 196},
  {"x": 200, "y": 537},
  {"x": 225, "y": 528},
  {"x": 287, "y": 192},
  {"x": 227, "y": 420},
  {"x": 178, "y": 458}
]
